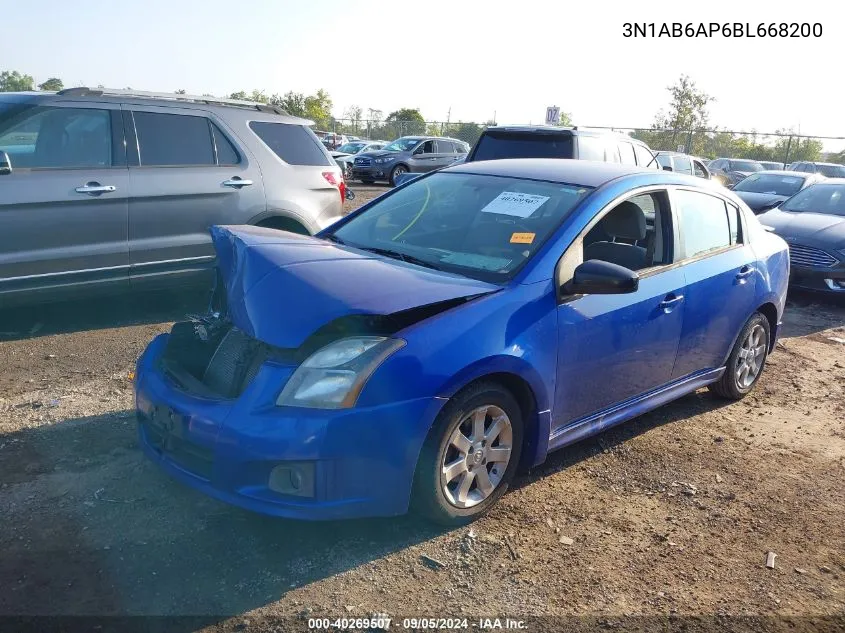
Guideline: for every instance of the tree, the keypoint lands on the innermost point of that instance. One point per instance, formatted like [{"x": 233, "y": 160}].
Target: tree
[
  {"x": 686, "y": 114},
  {"x": 181, "y": 91},
  {"x": 405, "y": 121},
  {"x": 293, "y": 103},
  {"x": 240, "y": 95},
  {"x": 354, "y": 113},
  {"x": 13, "y": 81},
  {"x": 53, "y": 84},
  {"x": 318, "y": 108}
]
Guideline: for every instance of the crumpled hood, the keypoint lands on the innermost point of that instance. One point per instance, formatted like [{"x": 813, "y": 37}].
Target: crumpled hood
[
  {"x": 757, "y": 201},
  {"x": 820, "y": 227},
  {"x": 282, "y": 287},
  {"x": 377, "y": 154}
]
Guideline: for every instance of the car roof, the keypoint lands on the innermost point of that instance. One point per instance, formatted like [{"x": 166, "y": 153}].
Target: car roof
[
  {"x": 831, "y": 181},
  {"x": 826, "y": 164},
  {"x": 583, "y": 172},
  {"x": 782, "y": 172},
  {"x": 550, "y": 129}
]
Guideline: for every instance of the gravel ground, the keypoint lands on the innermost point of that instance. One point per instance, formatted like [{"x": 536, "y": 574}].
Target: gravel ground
[{"x": 670, "y": 514}]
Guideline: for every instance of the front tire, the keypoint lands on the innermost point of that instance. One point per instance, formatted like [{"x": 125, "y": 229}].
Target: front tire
[
  {"x": 747, "y": 359},
  {"x": 399, "y": 169},
  {"x": 470, "y": 456}
]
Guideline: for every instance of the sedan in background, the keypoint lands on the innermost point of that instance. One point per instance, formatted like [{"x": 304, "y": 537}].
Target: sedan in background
[
  {"x": 683, "y": 164},
  {"x": 345, "y": 154},
  {"x": 416, "y": 353},
  {"x": 729, "y": 171},
  {"x": 765, "y": 190},
  {"x": 813, "y": 224},
  {"x": 829, "y": 170},
  {"x": 773, "y": 165}
]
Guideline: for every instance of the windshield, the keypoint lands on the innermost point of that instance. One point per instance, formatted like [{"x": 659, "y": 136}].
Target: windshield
[
  {"x": 351, "y": 148},
  {"x": 828, "y": 199},
  {"x": 745, "y": 165},
  {"x": 402, "y": 145},
  {"x": 771, "y": 183},
  {"x": 831, "y": 171},
  {"x": 496, "y": 146},
  {"x": 485, "y": 227}
]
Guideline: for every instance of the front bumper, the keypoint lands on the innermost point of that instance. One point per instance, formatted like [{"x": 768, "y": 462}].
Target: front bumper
[
  {"x": 371, "y": 172},
  {"x": 819, "y": 279},
  {"x": 362, "y": 459}
]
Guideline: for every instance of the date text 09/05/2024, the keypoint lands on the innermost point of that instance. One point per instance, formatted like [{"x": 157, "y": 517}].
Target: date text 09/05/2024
[{"x": 725, "y": 29}]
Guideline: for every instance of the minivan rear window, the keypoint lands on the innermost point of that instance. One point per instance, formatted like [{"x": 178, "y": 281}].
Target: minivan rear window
[
  {"x": 496, "y": 146},
  {"x": 294, "y": 144}
]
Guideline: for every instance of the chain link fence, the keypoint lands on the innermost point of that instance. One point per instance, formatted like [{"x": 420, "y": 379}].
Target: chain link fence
[{"x": 780, "y": 147}]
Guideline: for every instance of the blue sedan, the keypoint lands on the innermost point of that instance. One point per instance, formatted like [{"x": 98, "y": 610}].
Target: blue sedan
[{"x": 417, "y": 352}]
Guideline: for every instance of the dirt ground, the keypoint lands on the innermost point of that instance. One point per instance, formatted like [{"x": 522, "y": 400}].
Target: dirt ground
[{"x": 672, "y": 514}]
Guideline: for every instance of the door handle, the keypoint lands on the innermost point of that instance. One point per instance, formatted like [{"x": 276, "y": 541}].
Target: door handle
[
  {"x": 95, "y": 188},
  {"x": 236, "y": 183},
  {"x": 670, "y": 301},
  {"x": 745, "y": 271}
]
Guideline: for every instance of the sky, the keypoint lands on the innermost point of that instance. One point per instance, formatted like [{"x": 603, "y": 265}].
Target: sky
[{"x": 462, "y": 59}]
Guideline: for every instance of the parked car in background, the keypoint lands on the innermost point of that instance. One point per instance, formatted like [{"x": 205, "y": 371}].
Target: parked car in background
[
  {"x": 773, "y": 165},
  {"x": 345, "y": 154},
  {"x": 418, "y": 352},
  {"x": 813, "y": 224},
  {"x": 332, "y": 141},
  {"x": 502, "y": 142},
  {"x": 764, "y": 190},
  {"x": 410, "y": 153},
  {"x": 683, "y": 164},
  {"x": 560, "y": 142},
  {"x": 829, "y": 170},
  {"x": 107, "y": 189},
  {"x": 730, "y": 171}
]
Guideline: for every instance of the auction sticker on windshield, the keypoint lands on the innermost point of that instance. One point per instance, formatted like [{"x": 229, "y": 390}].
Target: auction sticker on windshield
[{"x": 521, "y": 205}]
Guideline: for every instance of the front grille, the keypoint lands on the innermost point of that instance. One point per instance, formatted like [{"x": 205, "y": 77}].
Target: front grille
[
  {"x": 808, "y": 256},
  {"x": 230, "y": 362},
  {"x": 185, "y": 454},
  {"x": 363, "y": 161}
]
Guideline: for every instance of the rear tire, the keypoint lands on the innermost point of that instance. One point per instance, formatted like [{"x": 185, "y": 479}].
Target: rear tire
[
  {"x": 284, "y": 224},
  {"x": 747, "y": 359},
  {"x": 470, "y": 455}
]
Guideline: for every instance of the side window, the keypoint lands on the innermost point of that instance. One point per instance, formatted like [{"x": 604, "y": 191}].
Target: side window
[
  {"x": 590, "y": 148},
  {"x": 716, "y": 164},
  {"x": 644, "y": 157},
  {"x": 445, "y": 147},
  {"x": 425, "y": 148},
  {"x": 626, "y": 151},
  {"x": 735, "y": 225},
  {"x": 294, "y": 144},
  {"x": 682, "y": 164},
  {"x": 698, "y": 169},
  {"x": 635, "y": 234},
  {"x": 168, "y": 140},
  {"x": 59, "y": 138},
  {"x": 226, "y": 152},
  {"x": 704, "y": 222},
  {"x": 611, "y": 152}
]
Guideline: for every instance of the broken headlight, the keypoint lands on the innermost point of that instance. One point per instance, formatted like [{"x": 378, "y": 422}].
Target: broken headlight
[{"x": 333, "y": 376}]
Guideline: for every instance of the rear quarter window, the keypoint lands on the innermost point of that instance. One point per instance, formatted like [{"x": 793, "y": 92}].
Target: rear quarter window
[{"x": 294, "y": 144}]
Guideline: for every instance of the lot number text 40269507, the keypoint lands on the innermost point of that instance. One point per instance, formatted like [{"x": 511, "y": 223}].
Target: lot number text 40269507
[{"x": 723, "y": 29}]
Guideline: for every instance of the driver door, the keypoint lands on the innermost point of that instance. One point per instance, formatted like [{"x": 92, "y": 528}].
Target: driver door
[
  {"x": 612, "y": 348},
  {"x": 423, "y": 158}
]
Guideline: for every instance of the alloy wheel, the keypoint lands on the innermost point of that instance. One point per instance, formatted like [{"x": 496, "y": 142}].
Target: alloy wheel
[
  {"x": 751, "y": 356},
  {"x": 478, "y": 453}
]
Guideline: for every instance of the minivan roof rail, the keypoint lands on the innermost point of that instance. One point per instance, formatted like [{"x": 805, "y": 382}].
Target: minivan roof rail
[{"x": 83, "y": 91}]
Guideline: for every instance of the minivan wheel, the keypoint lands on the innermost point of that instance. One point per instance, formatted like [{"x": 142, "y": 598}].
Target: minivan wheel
[
  {"x": 747, "y": 359},
  {"x": 399, "y": 169},
  {"x": 470, "y": 456}
]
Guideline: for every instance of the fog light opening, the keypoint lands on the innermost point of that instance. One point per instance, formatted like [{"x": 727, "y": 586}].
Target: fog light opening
[
  {"x": 293, "y": 478},
  {"x": 835, "y": 284}
]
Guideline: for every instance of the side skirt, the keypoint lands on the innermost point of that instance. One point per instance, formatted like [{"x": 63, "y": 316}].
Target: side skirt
[{"x": 618, "y": 413}]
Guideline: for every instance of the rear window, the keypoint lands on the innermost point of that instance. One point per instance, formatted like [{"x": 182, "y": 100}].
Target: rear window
[
  {"x": 294, "y": 144},
  {"x": 496, "y": 146},
  {"x": 831, "y": 171}
]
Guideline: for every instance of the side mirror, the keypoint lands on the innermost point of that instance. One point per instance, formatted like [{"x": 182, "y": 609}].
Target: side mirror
[
  {"x": 598, "y": 277},
  {"x": 5, "y": 163},
  {"x": 667, "y": 168}
]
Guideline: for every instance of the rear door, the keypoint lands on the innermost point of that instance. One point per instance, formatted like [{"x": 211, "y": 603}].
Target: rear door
[
  {"x": 719, "y": 270},
  {"x": 186, "y": 173},
  {"x": 446, "y": 154},
  {"x": 63, "y": 209}
]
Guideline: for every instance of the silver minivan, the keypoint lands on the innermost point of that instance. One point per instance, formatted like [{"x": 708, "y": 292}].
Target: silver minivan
[{"x": 111, "y": 189}]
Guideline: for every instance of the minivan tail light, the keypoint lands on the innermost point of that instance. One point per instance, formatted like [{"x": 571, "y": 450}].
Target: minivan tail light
[{"x": 336, "y": 180}]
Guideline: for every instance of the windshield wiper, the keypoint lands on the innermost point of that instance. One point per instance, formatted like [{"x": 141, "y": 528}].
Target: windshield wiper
[
  {"x": 410, "y": 259},
  {"x": 334, "y": 238}
]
